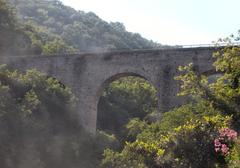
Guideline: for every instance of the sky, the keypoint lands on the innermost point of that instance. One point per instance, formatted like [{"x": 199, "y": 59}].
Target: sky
[{"x": 171, "y": 22}]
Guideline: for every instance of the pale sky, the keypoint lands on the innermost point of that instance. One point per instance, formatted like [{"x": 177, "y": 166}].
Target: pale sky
[{"x": 169, "y": 22}]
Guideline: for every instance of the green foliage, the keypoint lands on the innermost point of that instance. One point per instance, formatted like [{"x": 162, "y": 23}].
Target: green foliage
[
  {"x": 224, "y": 94},
  {"x": 34, "y": 97},
  {"x": 189, "y": 145},
  {"x": 13, "y": 38},
  {"x": 130, "y": 90},
  {"x": 134, "y": 127},
  {"x": 57, "y": 46},
  {"x": 176, "y": 118},
  {"x": 124, "y": 99},
  {"x": 77, "y": 29},
  {"x": 52, "y": 28},
  {"x": 234, "y": 158},
  {"x": 227, "y": 87},
  {"x": 40, "y": 126},
  {"x": 121, "y": 160},
  {"x": 7, "y": 17}
]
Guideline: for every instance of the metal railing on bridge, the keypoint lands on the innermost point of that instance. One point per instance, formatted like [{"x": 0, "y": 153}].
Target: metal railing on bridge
[{"x": 207, "y": 45}]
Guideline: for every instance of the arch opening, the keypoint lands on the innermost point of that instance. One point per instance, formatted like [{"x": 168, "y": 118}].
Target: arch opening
[
  {"x": 212, "y": 75},
  {"x": 125, "y": 97}
]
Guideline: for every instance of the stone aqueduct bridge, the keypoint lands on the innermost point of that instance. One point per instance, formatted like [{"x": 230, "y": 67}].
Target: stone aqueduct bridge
[{"x": 88, "y": 73}]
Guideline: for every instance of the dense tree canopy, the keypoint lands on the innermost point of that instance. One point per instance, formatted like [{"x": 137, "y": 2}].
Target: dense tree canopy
[
  {"x": 38, "y": 124},
  {"x": 125, "y": 99},
  {"x": 49, "y": 27},
  {"x": 54, "y": 22}
]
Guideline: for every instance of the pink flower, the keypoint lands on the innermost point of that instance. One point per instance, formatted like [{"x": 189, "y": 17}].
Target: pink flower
[
  {"x": 228, "y": 133},
  {"x": 217, "y": 149},
  {"x": 217, "y": 143},
  {"x": 223, "y": 141},
  {"x": 224, "y": 149}
]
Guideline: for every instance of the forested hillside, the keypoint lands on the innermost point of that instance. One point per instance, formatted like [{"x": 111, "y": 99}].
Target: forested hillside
[{"x": 54, "y": 27}]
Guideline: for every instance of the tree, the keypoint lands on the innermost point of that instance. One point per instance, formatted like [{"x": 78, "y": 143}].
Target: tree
[
  {"x": 39, "y": 126},
  {"x": 223, "y": 94},
  {"x": 57, "y": 46},
  {"x": 7, "y": 17}
]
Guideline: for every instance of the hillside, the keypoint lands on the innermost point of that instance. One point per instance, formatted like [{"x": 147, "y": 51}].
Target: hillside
[{"x": 55, "y": 24}]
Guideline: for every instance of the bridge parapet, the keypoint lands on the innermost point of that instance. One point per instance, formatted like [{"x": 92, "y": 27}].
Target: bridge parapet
[{"x": 213, "y": 45}]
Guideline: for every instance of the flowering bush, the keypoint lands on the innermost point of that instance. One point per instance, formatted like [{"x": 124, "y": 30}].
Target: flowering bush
[
  {"x": 228, "y": 133},
  {"x": 224, "y": 141},
  {"x": 188, "y": 145}
]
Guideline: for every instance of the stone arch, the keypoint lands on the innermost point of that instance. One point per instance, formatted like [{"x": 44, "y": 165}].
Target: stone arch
[
  {"x": 118, "y": 76},
  {"x": 114, "y": 78},
  {"x": 212, "y": 75}
]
